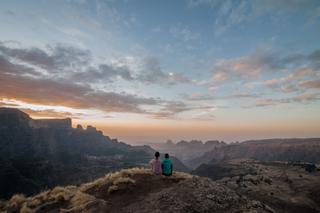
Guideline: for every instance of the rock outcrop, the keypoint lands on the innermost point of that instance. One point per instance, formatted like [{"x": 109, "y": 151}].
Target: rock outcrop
[{"x": 138, "y": 190}]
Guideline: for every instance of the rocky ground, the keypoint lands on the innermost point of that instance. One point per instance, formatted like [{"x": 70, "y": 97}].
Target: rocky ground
[
  {"x": 242, "y": 186},
  {"x": 138, "y": 190},
  {"x": 282, "y": 186}
]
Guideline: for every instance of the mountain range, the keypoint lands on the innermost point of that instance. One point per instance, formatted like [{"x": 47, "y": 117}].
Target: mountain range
[
  {"x": 294, "y": 149},
  {"x": 64, "y": 169}
]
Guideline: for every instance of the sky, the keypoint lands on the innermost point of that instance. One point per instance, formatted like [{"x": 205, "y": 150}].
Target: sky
[{"x": 145, "y": 71}]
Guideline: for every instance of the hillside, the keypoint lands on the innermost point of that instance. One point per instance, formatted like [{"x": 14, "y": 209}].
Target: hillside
[
  {"x": 284, "y": 186},
  {"x": 138, "y": 190},
  {"x": 40, "y": 154},
  {"x": 296, "y": 149}
]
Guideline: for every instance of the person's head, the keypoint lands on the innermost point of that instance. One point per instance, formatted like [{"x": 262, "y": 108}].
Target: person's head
[
  {"x": 157, "y": 154},
  {"x": 166, "y": 155}
]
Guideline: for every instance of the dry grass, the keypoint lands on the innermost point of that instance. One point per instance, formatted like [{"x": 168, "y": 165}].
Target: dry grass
[
  {"x": 75, "y": 198},
  {"x": 25, "y": 209},
  {"x": 116, "y": 177},
  {"x": 182, "y": 175},
  {"x": 16, "y": 202},
  {"x": 123, "y": 180}
]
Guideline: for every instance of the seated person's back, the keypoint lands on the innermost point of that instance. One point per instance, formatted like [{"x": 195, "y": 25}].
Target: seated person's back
[
  {"x": 167, "y": 166},
  {"x": 156, "y": 164}
]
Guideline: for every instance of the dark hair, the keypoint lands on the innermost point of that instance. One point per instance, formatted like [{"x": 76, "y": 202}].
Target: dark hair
[
  {"x": 166, "y": 155},
  {"x": 157, "y": 154}
]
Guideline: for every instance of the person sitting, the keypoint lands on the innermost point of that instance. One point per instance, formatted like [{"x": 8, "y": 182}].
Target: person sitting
[
  {"x": 166, "y": 165},
  {"x": 156, "y": 164}
]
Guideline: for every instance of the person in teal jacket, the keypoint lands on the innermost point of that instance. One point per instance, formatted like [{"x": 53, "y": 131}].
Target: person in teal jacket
[{"x": 166, "y": 165}]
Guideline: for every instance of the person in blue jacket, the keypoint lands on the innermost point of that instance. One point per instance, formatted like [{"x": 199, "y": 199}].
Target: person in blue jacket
[{"x": 166, "y": 165}]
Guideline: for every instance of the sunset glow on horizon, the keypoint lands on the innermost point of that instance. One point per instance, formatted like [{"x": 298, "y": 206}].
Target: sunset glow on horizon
[{"x": 147, "y": 71}]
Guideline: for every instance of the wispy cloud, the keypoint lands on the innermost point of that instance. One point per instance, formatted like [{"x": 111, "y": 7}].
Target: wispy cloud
[
  {"x": 172, "y": 109},
  {"x": 302, "y": 98},
  {"x": 231, "y": 14},
  {"x": 261, "y": 61},
  {"x": 311, "y": 84},
  {"x": 204, "y": 97}
]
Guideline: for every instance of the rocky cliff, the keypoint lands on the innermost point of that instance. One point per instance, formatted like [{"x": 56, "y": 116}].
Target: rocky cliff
[{"x": 39, "y": 154}]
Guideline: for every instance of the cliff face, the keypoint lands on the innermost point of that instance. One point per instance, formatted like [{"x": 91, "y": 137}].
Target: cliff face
[
  {"x": 37, "y": 154},
  {"x": 10, "y": 117},
  {"x": 52, "y": 123}
]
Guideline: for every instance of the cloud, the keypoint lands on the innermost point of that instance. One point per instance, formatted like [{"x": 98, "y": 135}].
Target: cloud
[
  {"x": 266, "y": 102},
  {"x": 15, "y": 69},
  {"x": 54, "y": 58},
  {"x": 314, "y": 57},
  {"x": 310, "y": 84},
  {"x": 40, "y": 113},
  {"x": 27, "y": 84},
  {"x": 289, "y": 88},
  {"x": 271, "y": 82},
  {"x": 219, "y": 76},
  {"x": 50, "y": 113},
  {"x": 250, "y": 65},
  {"x": 306, "y": 97},
  {"x": 298, "y": 74},
  {"x": 77, "y": 65},
  {"x": 289, "y": 82},
  {"x": 302, "y": 98},
  {"x": 177, "y": 77},
  {"x": 171, "y": 109},
  {"x": 101, "y": 73},
  {"x": 230, "y": 14},
  {"x": 201, "y": 97},
  {"x": 151, "y": 72},
  {"x": 265, "y": 62},
  {"x": 14, "y": 85}
]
